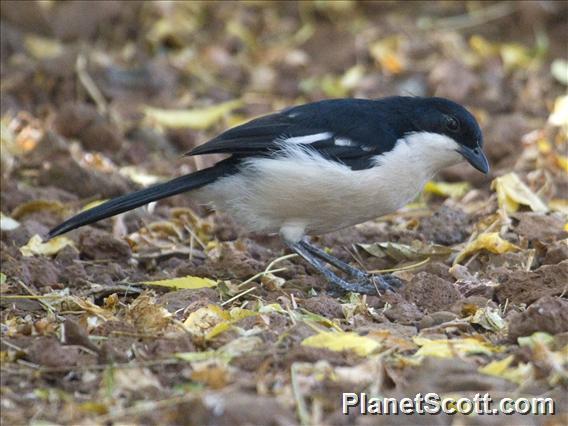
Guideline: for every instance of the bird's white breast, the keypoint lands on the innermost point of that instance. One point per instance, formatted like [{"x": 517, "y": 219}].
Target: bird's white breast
[{"x": 300, "y": 192}]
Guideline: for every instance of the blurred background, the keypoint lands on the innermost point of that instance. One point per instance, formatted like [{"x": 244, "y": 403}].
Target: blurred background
[{"x": 108, "y": 74}]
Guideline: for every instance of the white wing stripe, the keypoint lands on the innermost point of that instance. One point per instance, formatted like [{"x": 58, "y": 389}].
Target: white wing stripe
[{"x": 308, "y": 138}]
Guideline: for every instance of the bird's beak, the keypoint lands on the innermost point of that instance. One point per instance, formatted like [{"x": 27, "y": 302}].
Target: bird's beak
[{"x": 476, "y": 157}]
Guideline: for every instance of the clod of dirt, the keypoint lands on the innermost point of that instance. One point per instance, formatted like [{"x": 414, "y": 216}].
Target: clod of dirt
[
  {"x": 446, "y": 226},
  {"x": 452, "y": 79},
  {"x": 182, "y": 299},
  {"x": 36, "y": 271},
  {"x": 549, "y": 314},
  {"x": 324, "y": 305},
  {"x": 503, "y": 135},
  {"x": 22, "y": 234},
  {"x": 436, "y": 318},
  {"x": 95, "y": 245},
  {"x": 83, "y": 122},
  {"x": 468, "y": 305},
  {"x": 47, "y": 351},
  {"x": 404, "y": 313},
  {"x": 526, "y": 287},
  {"x": 536, "y": 226},
  {"x": 85, "y": 183},
  {"x": 556, "y": 253},
  {"x": 430, "y": 293}
]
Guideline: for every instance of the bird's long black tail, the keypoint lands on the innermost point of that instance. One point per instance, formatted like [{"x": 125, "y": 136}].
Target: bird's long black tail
[{"x": 139, "y": 198}]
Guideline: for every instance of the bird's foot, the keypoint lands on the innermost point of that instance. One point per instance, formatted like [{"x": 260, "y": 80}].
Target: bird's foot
[{"x": 368, "y": 284}]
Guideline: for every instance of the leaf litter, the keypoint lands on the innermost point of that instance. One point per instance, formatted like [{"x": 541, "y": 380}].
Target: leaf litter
[{"x": 176, "y": 310}]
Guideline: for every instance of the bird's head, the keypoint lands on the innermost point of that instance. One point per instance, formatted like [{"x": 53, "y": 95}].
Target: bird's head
[{"x": 448, "y": 128}]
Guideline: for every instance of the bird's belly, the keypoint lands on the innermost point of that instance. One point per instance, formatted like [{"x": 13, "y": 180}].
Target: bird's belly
[{"x": 317, "y": 195}]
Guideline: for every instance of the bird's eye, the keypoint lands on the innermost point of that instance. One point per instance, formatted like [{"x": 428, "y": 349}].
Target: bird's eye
[{"x": 451, "y": 123}]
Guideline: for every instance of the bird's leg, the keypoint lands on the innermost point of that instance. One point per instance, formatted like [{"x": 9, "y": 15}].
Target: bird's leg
[
  {"x": 366, "y": 288},
  {"x": 334, "y": 261},
  {"x": 380, "y": 282},
  {"x": 364, "y": 283}
]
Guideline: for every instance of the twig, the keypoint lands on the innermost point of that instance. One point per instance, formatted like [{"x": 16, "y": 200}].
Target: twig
[
  {"x": 89, "y": 84},
  {"x": 300, "y": 402},
  {"x": 477, "y": 17}
]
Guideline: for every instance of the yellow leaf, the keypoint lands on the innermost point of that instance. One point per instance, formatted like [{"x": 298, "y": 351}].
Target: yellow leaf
[
  {"x": 497, "y": 368},
  {"x": 139, "y": 176},
  {"x": 559, "y": 70},
  {"x": 450, "y": 348},
  {"x": 444, "y": 189},
  {"x": 489, "y": 319},
  {"x": 203, "y": 320},
  {"x": 559, "y": 116},
  {"x": 187, "y": 282},
  {"x": 342, "y": 341},
  {"x": 386, "y": 53},
  {"x": 43, "y": 47},
  {"x": 512, "y": 192},
  {"x": 491, "y": 242},
  {"x": 559, "y": 205},
  {"x": 36, "y": 246},
  {"x": 38, "y": 206},
  {"x": 147, "y": 315},
  {"x": 197, "y": 118},
  {"x": 502, "y": 368}
]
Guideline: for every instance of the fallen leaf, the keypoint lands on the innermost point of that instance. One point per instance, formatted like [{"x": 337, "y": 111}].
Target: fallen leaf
[
  {"x": 490, "y": 241},
  {"x": 399, "y": 252},
  {"x": 197, "y": 118},
  {"x": 502, "y": 368},
  {"x": 36, "y": 246},
  {"x": 147, "y": 315},
  {"x": 489, "y": 318},
  {"x": 342, "y": 341},
  {"x": 559, "y": 116},
  {"x": 203, "y": 320},
  {"x": 445, "y": 189},
  {"x": 512, "y": 192},
  {"x": 559, "y": 70},
  {"x": 43, "y": 47},
  {"x": 37, "y": 206},
  {"x": 450, "y": 348},
  {"x": 187, "y": 282},
  {"x": 137, "y": 175},
  {"x": 7, "y": 223}
]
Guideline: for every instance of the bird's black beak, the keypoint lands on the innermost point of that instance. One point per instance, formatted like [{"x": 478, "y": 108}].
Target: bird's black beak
[{"x": 476, "y": 157}]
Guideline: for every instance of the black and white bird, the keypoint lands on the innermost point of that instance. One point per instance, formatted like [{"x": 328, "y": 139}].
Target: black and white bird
[{"x": 320, "y": 167}]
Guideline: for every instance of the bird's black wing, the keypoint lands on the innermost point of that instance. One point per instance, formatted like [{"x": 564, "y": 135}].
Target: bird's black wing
[{"x": 347, "y": 131}]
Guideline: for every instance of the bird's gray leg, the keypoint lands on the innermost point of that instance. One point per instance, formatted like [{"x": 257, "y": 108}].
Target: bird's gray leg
[
  {"x": 332, "y": 260},
  {"x": 366, "y": 287},
  {"x": 381, "y": 283}
]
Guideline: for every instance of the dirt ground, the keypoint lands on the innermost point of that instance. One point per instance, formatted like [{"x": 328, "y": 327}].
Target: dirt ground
[{"x": 98, "y": 99}]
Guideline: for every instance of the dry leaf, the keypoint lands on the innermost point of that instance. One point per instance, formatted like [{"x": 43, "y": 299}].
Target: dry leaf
[
  {"x": 147, "y": 315},
  {"x": 342, "y": 341},
  {"x": 502, "y": 368},
  {"x": 203, "y": 320},
  {"x": 512, "y": 192},
  {"x": 491, "y": 242},
  {"x": 197, "y": 118},
  {"x": 489, "y": 318},
  {"x": 399, "y": 252},
  {"x": 445, "y": 189},
  {"x": 36, "y": 246},
  {"x": 187, "y": 282},
  {"x": 450, "y": 348}
]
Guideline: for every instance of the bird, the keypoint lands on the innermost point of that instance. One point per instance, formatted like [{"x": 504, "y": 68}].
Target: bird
[{"x": 320, "y": 167}]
